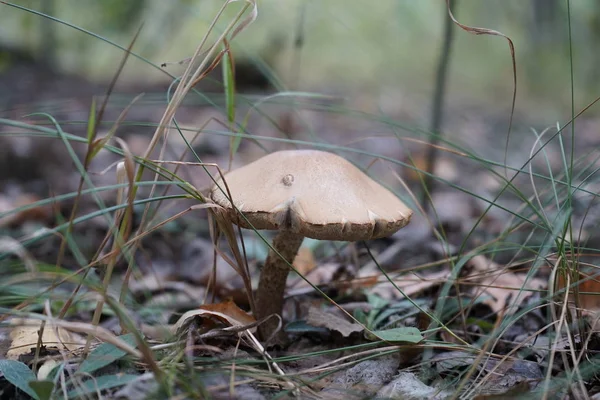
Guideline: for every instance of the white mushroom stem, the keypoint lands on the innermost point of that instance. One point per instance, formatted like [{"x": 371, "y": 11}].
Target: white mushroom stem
[{"x": 273, "y": 277}]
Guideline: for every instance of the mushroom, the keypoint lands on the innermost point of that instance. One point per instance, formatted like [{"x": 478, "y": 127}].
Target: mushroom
[{"x": 305, "y": 193}]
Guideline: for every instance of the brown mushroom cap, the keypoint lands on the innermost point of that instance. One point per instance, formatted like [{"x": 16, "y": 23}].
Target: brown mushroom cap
[{"x": 314, "y": 194}]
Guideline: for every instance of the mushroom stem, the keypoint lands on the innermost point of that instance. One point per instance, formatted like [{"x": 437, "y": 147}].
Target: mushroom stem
[{"x": 273, "y": 277}]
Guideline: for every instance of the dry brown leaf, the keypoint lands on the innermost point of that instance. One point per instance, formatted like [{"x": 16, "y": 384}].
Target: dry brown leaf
[
  {"x": 227, "y": 312},
  {"x": 37, "y": 213},
  {"x": 588, "y": 283},
  {"x": 500, "y": 284},
  {"x": 147, "y": 283},
  {"x": 355, "y": 284},
  {"x": 25, "y": 333},
  {"x": 6, "y": 206},
  {"x": 322, "y": 319},
  {"x": 321, "y": 275},
  {"x": 410, "y": 284}
]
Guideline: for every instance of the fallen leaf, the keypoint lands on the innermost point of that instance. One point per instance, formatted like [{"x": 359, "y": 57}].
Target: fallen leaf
[
  {"x": 5, "y": 207},
  {"x": 588, "y": 287},
  {"x": 362, "y": 380},
  {"x": 500, "y": 284},
  {"x": 403, "y": 334},
  {"x": 25, "y": 333},
  {"x": 447, "y": 362},
  {"x": 407, "y": 385},
  {"x": 141, "y": 388},
  {"x": 410, "y": 285},
  {"x": 34, "y": 213},
  {"x": 500, "y": 376},
  {"x": 329, "y": 273},
  {"x": 350, "y": 285},
  {"x": 322, "y": 319},
  {"x": 227, "y": 312},
  {"x": 510, "y": 377}
]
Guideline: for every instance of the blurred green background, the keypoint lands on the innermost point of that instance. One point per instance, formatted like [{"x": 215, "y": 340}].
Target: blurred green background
[{"x": 387, "y": 49}]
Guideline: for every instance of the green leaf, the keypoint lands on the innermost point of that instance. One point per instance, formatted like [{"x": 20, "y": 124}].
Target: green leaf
[
  {"x": 360, "y": 316},
  {"x": 404, "y": 334},
  {"x": 453, "y": 305},
  {"x": 91, "y": 127},
  {"x": 301, "y": 326},
  {"x": 229, "y": 85},
  {"x": 377, "y": 302},
  {"x": 101, "y": 383},
  {"x": 400, "y": 310},
  {"x": 105, "y": 354},
  {"x": 42, "y": 388},
  {"x": 19, "y": 375}
]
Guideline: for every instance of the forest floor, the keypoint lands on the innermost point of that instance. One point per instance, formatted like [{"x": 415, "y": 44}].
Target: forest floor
[{"x": 464, "y": 302}]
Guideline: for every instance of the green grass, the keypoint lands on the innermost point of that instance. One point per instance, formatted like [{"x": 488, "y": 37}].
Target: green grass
[{"x": 537, "y": 236}]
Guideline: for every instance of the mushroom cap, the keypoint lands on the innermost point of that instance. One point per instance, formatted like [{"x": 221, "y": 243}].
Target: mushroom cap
[{"x": 314, "y": 194}]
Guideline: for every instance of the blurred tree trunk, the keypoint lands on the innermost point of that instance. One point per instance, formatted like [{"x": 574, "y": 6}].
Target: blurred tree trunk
[
  {"x": 437, "y": 109},
  {"x": 592, "y": 72},
  {"x": 546, "y": 33},
  {"x": 545, "y": 20},
  {"x": 48, "y": 36}
]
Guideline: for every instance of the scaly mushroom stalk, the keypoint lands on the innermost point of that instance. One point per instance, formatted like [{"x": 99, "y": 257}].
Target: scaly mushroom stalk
[{"x": 273, "y": 277}]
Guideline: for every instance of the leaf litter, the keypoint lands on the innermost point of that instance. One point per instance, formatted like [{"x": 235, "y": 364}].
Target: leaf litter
[
  {"x": 25, "y": 335},
  {"x": 371, "y": 302},
  {"x": 500, "y": 286},
  {"x": 210, "y": 325}
]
